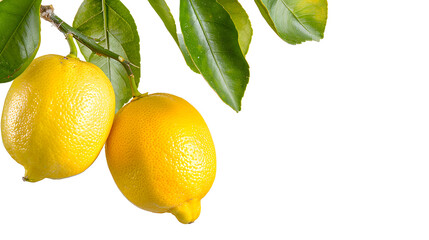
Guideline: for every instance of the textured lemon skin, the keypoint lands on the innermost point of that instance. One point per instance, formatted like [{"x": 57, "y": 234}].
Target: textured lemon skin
[
  {"x": 57, "y": 116},
  {"x": 161, "y": 155}
]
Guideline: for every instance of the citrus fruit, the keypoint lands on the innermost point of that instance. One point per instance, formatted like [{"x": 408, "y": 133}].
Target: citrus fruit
[
  {"x": 57, "y": 116},
  {"x": 161, "y": 155}
]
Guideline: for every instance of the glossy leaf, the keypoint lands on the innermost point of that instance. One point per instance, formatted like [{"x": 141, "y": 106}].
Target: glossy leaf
[
  {"x": 163, "y": 11},
  {"x": 19, "y": 36},
  {"x": 296, "y": 21},
  {"x": 241, "y": 21},
  {"x": 212, "y": 41},
  {"x": 111, "y": 24}
]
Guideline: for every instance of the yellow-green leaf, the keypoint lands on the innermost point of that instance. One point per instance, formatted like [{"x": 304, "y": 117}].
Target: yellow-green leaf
[
  {"x": 296, "y": 21},
  {"x": 241, "y": 21}
]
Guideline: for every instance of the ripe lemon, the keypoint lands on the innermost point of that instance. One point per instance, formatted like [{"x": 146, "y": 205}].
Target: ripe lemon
[
  {"x": 57, "y": 116},
  {"x": 161, "y": 155}
]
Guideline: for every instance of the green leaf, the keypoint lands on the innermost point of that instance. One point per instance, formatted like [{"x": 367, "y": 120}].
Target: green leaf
[
  {"x": 212, "y": 41},
  {"x": 19, "y": 36},
  {"x": 111, "y": 24},
  {"x": 241, "y": 21},
  {"x": 163, "y": 11},
  {"x": 296, "y": 21},
  {"x": 265, "y": 14},
  {"x": 186, "y": 55}
]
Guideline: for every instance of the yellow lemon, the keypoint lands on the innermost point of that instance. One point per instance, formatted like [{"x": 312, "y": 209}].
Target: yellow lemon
[
  {"x": 161, "y": 155},
  {"x": 57, "y": 116}
]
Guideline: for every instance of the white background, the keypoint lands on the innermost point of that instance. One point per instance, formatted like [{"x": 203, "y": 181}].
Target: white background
[{"x": 332, "y": 141}]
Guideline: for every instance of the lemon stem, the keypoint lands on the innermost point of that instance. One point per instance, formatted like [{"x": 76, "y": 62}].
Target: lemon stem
[
  {"x": 73, "y": 49},
  {"x": 47, "y": 13},
  {"x": 135, "y": 92}
]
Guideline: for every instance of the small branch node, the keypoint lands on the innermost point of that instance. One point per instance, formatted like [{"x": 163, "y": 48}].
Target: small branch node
[{"x": 46, "y": 11}]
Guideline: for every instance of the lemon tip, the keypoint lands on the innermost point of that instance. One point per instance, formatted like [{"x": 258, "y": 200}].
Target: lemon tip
[
  {"x": 188, "y": 212},
  {"x": 27, "y": 179}
]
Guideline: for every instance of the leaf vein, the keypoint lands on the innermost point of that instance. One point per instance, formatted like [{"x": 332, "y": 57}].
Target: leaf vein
[
  {"x": 103, "y": 9},
  {"x": 89, "y": 19},
  {"x": 113, "y": 10},
  {"x": 296, "y": 17}
]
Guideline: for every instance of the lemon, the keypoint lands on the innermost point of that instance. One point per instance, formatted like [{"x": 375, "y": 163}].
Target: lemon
[
  {"x": 57, "y": 116},
  {"x": 161, "y": 155}
]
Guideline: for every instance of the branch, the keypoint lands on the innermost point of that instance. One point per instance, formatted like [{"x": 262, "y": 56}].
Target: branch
[{"x": 47, "y": 13}]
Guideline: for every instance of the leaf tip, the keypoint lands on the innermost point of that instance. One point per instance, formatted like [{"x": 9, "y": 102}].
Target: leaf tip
[{"x": 236, "y": 106}]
